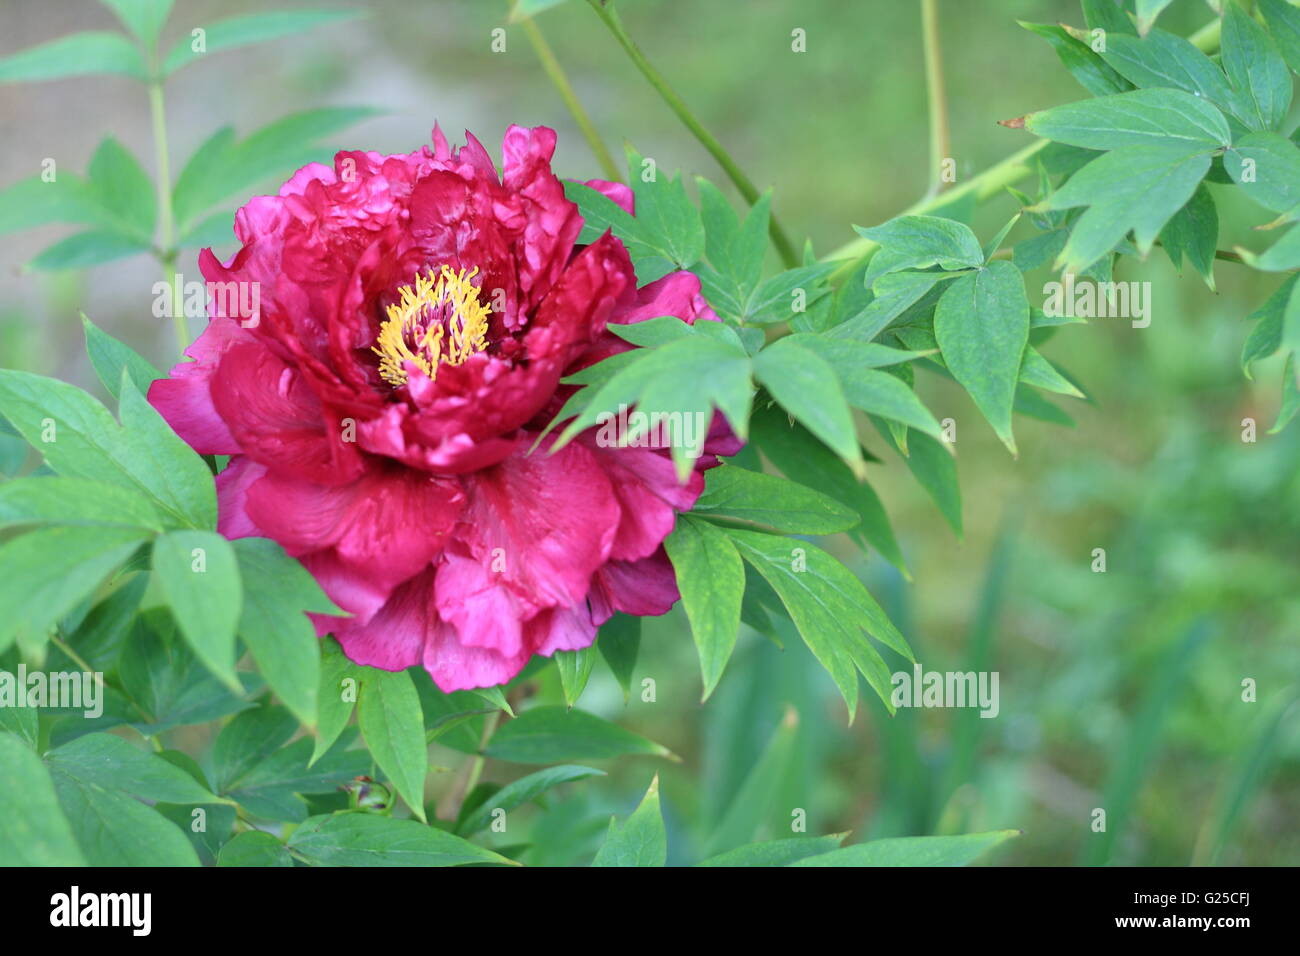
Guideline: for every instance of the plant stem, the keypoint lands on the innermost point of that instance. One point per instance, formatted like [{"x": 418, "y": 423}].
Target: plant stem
[
  {"x": 1206, "y": 39},
  {"x": 986, "y": 184},
  {"x": 72, "y": 655},
  {"x": 561, "y": 81},
  {"x": 470, "y": 772},
  {"x": 605, "y": 10},
  {"x": 940, "y": 146},
  {"x": 166, "y": 223},
  {"x": 991, "y": 180}
]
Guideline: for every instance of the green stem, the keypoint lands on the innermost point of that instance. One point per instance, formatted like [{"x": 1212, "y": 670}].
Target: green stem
[
  {"x": 1010, "y": 170},
  {"x": 986, "y": 184},
  {"x": 937, "y": 102},
  {"x": 470, "y": 772},
  {"x": 1206, "y": 39},
  {"x": 72, "y": 655},
  {"x": 561, "y": 81},
  {"x": 166, "y": 221},
  {"x": 605, "y": 10}
]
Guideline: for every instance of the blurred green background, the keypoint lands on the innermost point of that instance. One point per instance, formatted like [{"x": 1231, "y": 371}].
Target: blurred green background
[{"x": 1119, "y": 690}]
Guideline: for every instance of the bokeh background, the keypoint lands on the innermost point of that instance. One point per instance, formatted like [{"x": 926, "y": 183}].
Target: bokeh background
[{"x": 1119, "y": 690}]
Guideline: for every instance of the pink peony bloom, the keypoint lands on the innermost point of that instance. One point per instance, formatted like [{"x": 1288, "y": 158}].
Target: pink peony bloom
[{"x": 415, "y": 314}]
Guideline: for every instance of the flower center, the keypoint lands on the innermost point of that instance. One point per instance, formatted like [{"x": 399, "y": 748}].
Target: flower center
[{"x": 438, "y": 320}]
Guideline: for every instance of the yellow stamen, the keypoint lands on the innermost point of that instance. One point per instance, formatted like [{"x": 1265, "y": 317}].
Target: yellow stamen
[{"x": 439, "y": 320}]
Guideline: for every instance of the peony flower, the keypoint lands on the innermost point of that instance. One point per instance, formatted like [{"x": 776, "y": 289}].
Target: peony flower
[{"x": 414, "y": 317}]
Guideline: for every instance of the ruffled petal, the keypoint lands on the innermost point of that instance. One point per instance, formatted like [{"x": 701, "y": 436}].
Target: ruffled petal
[
  {"x": 185, "y": 398},
  {"x": 381, "y": 529},
  {"x": 546, "y": 520},
  {"x": 394, "y": 638}
]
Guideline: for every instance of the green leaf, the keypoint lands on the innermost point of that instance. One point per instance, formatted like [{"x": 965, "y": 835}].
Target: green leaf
[
  {"x": 802, "y": 458},
  {"x": 892, "y": 295},
  {"x": 79, "y": 438},
  {"x": 1084, "y": 64},
  {"x": 666, "y": 233},
  {"x": 663, "y": 210},
  {"x": 49, "y": 571},
  {"x": 52, "y": 500},
  {"x": 86, "y": 249},
  {"x": 914, "y": 851},
  {"x": 217, "y": 229},
  {"x": 1290, "y": 403},
  {"x": 735, "y": 492},
  {"x": 254, "y": 848},
  {"x": 982, "y": 325},
  {"x": 124, "y": 189},
  {"x": 1194, "y": 232},
  {"x": 676, "y": 385},
  {"x": 246, "y": 741},
  {"x": 116, "y": 830},
  {"x": 1266, "y": 337},
  {"x": 1161, "y": 118},
  {"x": 735, "y": 251},
  {"x": 110, "y": 357},
  {"x": 277, "y": 593},
  {"x": 336, "y": 698},
  {"x": 270, "y": 790},
  {"x": 1109, "y": 16},
  {"x": 22, "y": 722},
  {"x": 246, "y": 30},
  {"x": 199, "y": 577},
  {"x": 1282, "y": 256},
  {"x": 78, "y": 54},
  {"x": 144, "y": 18},
  {"x": 222, "y": 167},
  {"x": 1147, "y": 11},
  {"x": 33, "y": 829},
  {"x": 363, "y": 839},
  {"x": 758, "y": 801},
  {"x": 35, "y": 202},
  {"x": 779, "y": 298},
  {"x": 165, "y": 683},
  {"x": 1137, "y": 189},
  {"x": 919, "y": 242},
  {"x": 521, "y": 791},
  {"x": 558, "y": 735},
  {"x": 389, "y": 714},
  {"x": 619, "y": 643},
  {"x": 875, "y": 392},
  {"x": 1256, "y": 69},
  {"x": 1266, "y": 167},
  {"x": 935, "y": 469},
  {"x": 181, "y": 478},
  {"x": 1283, "y": 19},
  {"x": 640, "y": 840},
  {"x": 575, "y": 671},
  {"x": 711, "y": 579},
  {"x": 828, "y": 605},
  {"x": 1040, "y": 373},
  {"x": 806, "y": 386},
  {"x": 1166, "y": 60},
  {"x": 775, "y": 852},
  {"x": 113, "y": 763}
]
